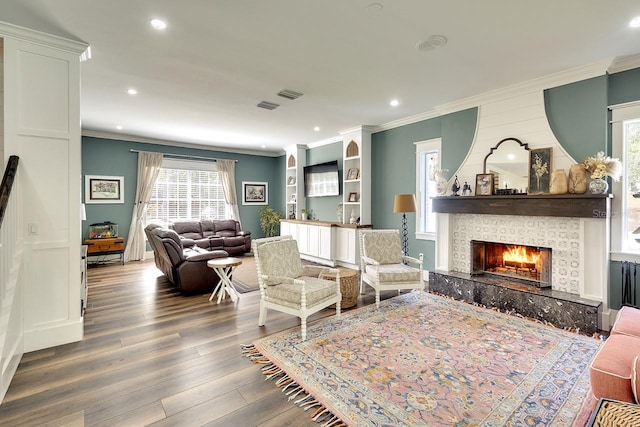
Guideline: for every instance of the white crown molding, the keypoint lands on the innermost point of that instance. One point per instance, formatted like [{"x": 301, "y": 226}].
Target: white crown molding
[
  {"x": 132, "y": 138},
  {"x": 326, "y": 141},
  {"x": 624, "y": 63},
  {"x": 539, "y": 84},
  {"x": 76, "y": 47}
]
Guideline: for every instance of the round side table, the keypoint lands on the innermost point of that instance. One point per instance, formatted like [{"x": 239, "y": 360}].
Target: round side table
[
  {"x": 349, "y": 285},
  {"x": 223, "y": 268}
]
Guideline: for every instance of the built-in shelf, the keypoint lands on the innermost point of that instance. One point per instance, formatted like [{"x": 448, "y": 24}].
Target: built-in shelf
[{"x": 566, "y": 205}]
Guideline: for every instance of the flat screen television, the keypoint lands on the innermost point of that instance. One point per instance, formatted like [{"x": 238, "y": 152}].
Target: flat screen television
[{"x": 322, "y": 180}]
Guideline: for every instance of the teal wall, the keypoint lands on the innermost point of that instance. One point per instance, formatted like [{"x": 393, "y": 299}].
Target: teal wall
[
  {"x": 624, "y": 87},
  {"x": 393, "y": 165},
  {"x": 577, "y": 114},
  {"x": 324, "y": 208},
  {"x": 114, "y": 158}
]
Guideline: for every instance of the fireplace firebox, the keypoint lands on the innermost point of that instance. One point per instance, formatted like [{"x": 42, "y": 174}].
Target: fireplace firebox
[{"x": 528, "y": 264}]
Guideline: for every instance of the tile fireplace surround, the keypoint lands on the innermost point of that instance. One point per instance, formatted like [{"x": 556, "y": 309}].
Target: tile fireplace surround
[{"x": 580, "y": 257}]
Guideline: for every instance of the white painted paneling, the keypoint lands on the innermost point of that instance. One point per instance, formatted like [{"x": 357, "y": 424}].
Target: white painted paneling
[
  {"x": 51, "y": 89},
  {"x": 46, "y": 206},
  {"x": 48, "y": 293}
]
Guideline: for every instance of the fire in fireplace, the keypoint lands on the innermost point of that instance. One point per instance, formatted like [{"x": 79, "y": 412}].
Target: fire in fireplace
[{"x": 530, "y": 264}]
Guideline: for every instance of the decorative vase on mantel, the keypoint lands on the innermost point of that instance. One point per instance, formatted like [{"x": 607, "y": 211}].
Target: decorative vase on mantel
[
  {"x": 598, "y": 186},
  {"x": 558, "y": 182},
  {"x": 577, "y": 183}
]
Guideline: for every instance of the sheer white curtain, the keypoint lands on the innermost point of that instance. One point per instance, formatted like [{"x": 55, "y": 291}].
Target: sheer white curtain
[
  {"x": 148, "y": 169},
  {"x": 227, "y": 169}
]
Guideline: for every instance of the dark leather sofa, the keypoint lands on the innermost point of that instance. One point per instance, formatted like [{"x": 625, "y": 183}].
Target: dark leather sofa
[
  {"x": 224, "y": 234},
  {"x": 185, "y": 267}
]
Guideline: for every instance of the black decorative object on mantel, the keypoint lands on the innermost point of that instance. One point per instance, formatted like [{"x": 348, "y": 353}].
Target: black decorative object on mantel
[{"x": 455, "y": 187}]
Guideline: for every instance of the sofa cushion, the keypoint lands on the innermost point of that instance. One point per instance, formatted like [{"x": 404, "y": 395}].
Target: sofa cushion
[
  {"x": 611, "y": 369},
  {"x": 289, "y": 294},
  {"x": 394, "y": 273},
  {"x": 234, "y": 241},
  {"x": 382, "y": 247},
  {"x": 188, "y": 229},
  {"x": 280, "y": 259},
  {"x": 207, "y": 227},
  {"x": 627, "y": 322},
  {"x": 225, "y": 227}
]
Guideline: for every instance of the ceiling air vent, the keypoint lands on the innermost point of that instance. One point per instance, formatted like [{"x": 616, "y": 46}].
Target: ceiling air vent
[
  {"x": 268, "y": 105},
  {"x": 289, "y": 94}
]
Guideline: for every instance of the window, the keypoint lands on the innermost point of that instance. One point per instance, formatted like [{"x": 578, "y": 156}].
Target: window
[
  {"x": 427, "y": 159},
  {"x": 187, "y": 190},
  {"x": 626, "y": 203}
]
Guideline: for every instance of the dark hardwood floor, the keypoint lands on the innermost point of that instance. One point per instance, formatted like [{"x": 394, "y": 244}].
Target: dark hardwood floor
[{"x": 151, "y": 356}]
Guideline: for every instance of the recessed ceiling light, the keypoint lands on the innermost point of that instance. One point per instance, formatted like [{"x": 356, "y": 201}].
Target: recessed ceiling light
[
  {"x": 132, "y": 91},
  {"x": 394, "y": 103},
  {"x": 263, "y": 146},
  {"x": 158, "y": 24},
  {"x": 635, "y": 22},
  {"x": 433, "y": 42},
  {"x": 317, "y": 128},
  {"x": 119, "y": 127}
]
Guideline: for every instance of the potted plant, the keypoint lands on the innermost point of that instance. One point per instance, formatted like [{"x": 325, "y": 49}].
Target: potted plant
[
  {"x": 269, "y": 220},
  {"x": 307, "y": 214}
]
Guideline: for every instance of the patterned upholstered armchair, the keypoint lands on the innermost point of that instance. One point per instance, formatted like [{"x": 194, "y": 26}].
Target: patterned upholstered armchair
[
  {"x": 283, "y": 285},
  {"x": 382, "y": 265}
]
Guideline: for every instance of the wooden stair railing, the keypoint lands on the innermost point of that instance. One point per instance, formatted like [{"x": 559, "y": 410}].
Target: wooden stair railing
[{"x": 7, "y": 184}]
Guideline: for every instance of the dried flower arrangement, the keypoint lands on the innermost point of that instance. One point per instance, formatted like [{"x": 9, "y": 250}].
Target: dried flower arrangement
[{"x": 601, "y": 166}]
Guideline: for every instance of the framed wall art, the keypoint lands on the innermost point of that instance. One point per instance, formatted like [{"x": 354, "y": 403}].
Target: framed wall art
[
  {"x": 484, "y": 184},
  {"x": 539, "y": 170},
  {"x": 255, "y": 193},
  {"x": 103, "y": 189}
]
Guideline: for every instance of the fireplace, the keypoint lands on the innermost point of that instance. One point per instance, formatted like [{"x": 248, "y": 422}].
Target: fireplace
[{"x": 529, "y": 264}]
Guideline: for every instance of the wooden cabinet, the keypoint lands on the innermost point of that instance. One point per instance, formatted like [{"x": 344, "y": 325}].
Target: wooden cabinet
[{"x": 113, "y": 246}]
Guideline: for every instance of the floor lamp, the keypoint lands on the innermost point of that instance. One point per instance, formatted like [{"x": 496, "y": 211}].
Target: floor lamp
[{"x": 403, "y": 203}]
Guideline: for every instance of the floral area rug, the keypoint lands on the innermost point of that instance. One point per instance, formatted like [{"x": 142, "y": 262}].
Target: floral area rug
[{"x": 436, "y": 362}]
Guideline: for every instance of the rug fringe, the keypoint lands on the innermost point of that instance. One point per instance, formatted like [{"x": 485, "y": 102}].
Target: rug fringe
[{"x": 292, "y": 389}]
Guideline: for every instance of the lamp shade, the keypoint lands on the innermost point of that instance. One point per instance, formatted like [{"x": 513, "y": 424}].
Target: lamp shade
[{"x": 404, "y": 203}]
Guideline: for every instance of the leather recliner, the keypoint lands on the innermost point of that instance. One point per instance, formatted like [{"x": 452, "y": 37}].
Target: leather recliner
[{"x": 186, "y": 268}]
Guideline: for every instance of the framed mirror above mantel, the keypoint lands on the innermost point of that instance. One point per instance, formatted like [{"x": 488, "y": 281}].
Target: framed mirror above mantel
[{"x": 508, "y": 162}]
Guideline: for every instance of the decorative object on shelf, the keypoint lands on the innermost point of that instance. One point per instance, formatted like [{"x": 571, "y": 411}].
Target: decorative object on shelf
[
  {"x": 577, "y": 182},
  {"x": 353, "y": 197},
  {"x": 403, "y": 203},
  {"x": 255, "y": 193},
  {"x": 437, "y": 175},
  {"x": 455, "y": 187},
  {"x": 598, "y": 186},
  {"x": 466, "y": 189},
  {"x": 354, "y": 173},
  {"x": 352, "y": 149},
  {"x": 291, "y": 180},
  {"x": 601, "y": 166},
  {"x": 307, "y": 214},
  {"x": 539, "y": 170},
  {"x": 558, "y": 183},
  {"x": 352, "y": 217},
  {"x": 292, "y": 198},
  {"x": 484, "y": 184},
  {"x": 269, "y": 220},
  {"x": 339, "y": 212}
]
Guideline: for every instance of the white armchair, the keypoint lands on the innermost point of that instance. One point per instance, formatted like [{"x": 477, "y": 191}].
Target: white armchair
[
  {"x": 284, "y": 287},
  {"x": 382, "y": 265}
]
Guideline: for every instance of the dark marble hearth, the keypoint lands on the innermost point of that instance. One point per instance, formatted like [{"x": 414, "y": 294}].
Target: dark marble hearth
[{"x": 561, "y": 309}]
